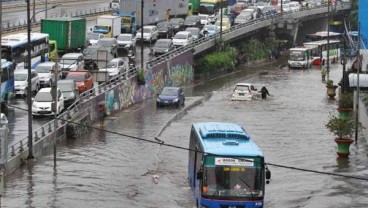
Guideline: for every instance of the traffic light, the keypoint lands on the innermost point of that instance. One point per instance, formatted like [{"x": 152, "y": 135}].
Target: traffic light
[{"x": 154, "y": 2}]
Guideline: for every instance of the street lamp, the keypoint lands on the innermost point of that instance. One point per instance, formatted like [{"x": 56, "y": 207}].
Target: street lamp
[
  {"x": 29, "y": 88},
  {"x": 328, "y": 39},
  {"x": 142, "y": 6}
]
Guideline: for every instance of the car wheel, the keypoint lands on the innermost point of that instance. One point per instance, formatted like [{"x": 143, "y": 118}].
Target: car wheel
[{"x": 178, "y": 105}]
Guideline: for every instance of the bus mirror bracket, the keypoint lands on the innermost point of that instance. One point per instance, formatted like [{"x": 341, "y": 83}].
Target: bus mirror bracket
[{"x": 268, "y": 175}]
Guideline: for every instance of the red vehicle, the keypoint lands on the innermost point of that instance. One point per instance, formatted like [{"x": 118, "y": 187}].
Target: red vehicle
[
  {"x": 83, "y": 79},
  {"x": 238, "y": 7}
]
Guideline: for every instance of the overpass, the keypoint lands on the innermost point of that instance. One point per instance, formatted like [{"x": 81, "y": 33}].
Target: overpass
[{"x": 84, "y": 111}]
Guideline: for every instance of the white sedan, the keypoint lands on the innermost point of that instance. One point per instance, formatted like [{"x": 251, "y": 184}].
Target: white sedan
[
  {"x": 115, "y": 67},
  {"x": 244, "y": 91}
]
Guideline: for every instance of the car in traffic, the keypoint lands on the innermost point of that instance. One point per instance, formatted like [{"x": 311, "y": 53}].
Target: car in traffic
[
  {"x": 70, "y": 91},
  {"x": 243, "y": 18},
  {"x": 192, "y": 21},
  {"x": 110, "y": 44},
  {"x": 226, "y": 24},
  {"x": 71, "y": 62},
  {"x": 243, "y": 91},
  {"x": 163, "y": 46},
  {"x": 92, "y": 38},
  {"x": 115, "y": 67},
  {"x": 165, "y": 29},
  {"x": 83, "y": 78},
  {"x": 171, "y": 96},
  {"x": 43, "y": 101},
  {"x": 177, "y": 23},
  {"x": 126, "y": 41},
  {"x": 194, "y": 31},
  {"x": 21, "y": 82},
  {"x": 238, "y": 7},
  {"x": 204, "y": 19},
  {"x": 182, "y": 38},
  {"x": 46, "y": 73},
  {"x": 150, "y": 33},
  {"x": 209, "y": 31}
]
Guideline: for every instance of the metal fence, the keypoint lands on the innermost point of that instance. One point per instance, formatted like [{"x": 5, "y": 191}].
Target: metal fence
[{"x": 89, "y": 96}]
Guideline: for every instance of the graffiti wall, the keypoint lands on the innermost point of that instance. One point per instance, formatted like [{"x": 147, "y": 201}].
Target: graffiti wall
[{"x": 175, "y": 72}]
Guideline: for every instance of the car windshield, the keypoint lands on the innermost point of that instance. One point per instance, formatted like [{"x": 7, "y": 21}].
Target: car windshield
[
  {"x": 181, "y": 36},
  {"x": 89, "y": 51},
  {"x": 169, "y": 92},
  {"x": 242, "y": 87},
  {"x": 20, "y": 77},
  {"x": 67, "y": 61},
  {"x": 65, "y": 87},
  {"x": 43, "y": 69},
  {"x": 194, "y": 31},
  {"x": 43, "y": 97},
  {"x": 162, "y": 24},
  {"x": 105, "y": 43},
  {"x": 146, "y": 30},
  {"x": 175, "y": 21},
  {"x": 112, "y": 65},
  {"x": 76, "y": 77},
  {"x": 93, "y": 36},
  {"x": 124, "y": 38},
  {"x": 161, "y": 44},
  {"x": 210, "y": 27}
]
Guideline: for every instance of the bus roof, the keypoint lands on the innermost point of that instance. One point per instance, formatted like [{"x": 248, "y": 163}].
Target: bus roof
[
  {"x": 21, "y": 38},
  {"x": 324, "y": 34},
  {"x": 226, "y": 139},
  {"x": 320, "y": 42},
  {"x": 212, "y": 1},
  {"x": 300, "y": 49}
]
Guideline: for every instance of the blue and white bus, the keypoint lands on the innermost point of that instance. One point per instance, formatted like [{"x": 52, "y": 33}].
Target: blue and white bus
[
  {"x": 7, "y": 81},
  {"x": 226, "y": 168},
  {"x": 14, "y": 48}
]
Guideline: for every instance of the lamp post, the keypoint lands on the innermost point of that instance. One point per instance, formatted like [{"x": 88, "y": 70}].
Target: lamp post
[
  {"x": 328, "y": 41},
  {"x": 142, "y": 61},
  {"x": 343, "y": 63},
  {"x": 29, "y": 87}
]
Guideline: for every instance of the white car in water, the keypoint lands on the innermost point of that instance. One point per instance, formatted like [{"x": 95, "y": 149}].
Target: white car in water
[{"x": 244, "y": 91}]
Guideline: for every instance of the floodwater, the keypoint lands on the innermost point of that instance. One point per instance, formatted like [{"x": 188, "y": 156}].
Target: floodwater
[{"x": 121, "y": 167}]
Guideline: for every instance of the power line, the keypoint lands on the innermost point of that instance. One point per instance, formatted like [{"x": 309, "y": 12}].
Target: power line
[{"x": 161, "y": 142}]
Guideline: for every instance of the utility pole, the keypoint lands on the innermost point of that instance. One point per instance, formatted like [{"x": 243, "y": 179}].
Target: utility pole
[
  {"x": 29, "y": 88},
  {"x": 328, "y": 40},
  {"x": 358, "y": 87},
  {"x": 142, "y": 60},
  {"x": 45, "y": 9},
  {"x": 55, "y": 106}
]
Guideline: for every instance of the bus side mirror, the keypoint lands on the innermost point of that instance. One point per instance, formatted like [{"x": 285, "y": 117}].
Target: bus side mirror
[
  {"x": 268, "y": 176},
  {"x": 199, "y": 175}
]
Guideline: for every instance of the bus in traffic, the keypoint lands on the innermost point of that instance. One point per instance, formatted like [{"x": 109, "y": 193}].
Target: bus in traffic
[
  {"x": 226, "y": 168},
  {"x": 14, "y": 48},
  {"x": 300, "y": 57},
  {"x": 319, "y": 50},
  {"x": 7, "y": 82}
]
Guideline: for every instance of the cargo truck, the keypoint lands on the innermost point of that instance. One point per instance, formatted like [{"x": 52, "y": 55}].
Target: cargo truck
[
  {"x": 154, "y": 11},
  {"x": 67, "y": 34},
  {"x": 108, "y": 25}
]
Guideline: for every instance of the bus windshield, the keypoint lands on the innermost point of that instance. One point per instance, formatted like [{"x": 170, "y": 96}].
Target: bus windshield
[
  {"x": 296, "y": 56},
  {"x": 207, "y": 9},
  {"x": 230, "y": 182}
]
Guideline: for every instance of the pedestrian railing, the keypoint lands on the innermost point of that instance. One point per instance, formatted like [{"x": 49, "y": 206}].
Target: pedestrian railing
[{"x": 76, "y": 109}]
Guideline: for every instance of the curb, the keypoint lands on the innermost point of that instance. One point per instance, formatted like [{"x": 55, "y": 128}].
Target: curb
[{"x": 180, "y": 114}]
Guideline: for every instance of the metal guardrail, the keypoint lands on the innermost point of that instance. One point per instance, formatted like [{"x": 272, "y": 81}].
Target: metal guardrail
[
  {"x": 22, "y": 25},
  {"x": 76, "y": 108}
]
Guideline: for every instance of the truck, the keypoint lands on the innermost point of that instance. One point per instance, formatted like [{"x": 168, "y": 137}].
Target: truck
[
  {"x": 108, "y": 25},
  {"x": 154, "y": 11},
  {"x": 67, "y": 34}
]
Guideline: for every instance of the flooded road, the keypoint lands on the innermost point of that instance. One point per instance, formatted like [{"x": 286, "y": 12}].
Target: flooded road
[{"x": 118, "y": 168}]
